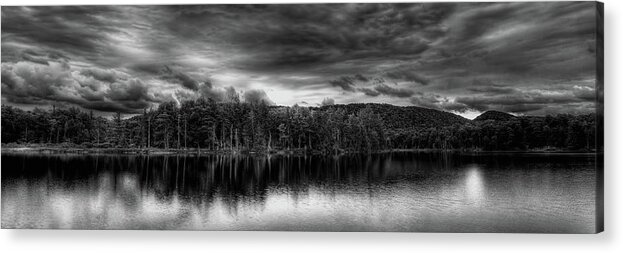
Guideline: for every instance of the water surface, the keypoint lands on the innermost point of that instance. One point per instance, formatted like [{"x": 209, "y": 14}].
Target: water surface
[{"x": 424, "y": 192}]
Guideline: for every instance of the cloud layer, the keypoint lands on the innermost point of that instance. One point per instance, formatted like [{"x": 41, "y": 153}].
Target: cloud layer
[{"x": 530, "y": 58}]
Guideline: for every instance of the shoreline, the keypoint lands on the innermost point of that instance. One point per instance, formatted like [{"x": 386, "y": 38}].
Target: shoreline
[{"x": 159, "y": 151}]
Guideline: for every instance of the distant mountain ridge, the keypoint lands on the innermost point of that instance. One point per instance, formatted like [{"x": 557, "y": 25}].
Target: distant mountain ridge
[
  {"x": 495, "y": 115},
  {"x": 406, "y": 117}
]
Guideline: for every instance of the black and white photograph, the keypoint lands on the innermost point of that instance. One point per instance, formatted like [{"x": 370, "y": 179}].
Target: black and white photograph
[{"x": 452, "y": 117}]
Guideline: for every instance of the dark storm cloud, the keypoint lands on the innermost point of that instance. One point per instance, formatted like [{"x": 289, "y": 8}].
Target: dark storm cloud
[
  {"x": 34, "y": 57},
  {"x": 347, "y": 83},
  {"x": 104, "y": 75},
  {"x": 369, "y": 92},
  {"x": 350, "y": 83},
  {"x": 132, "y": 90},
  {"x": 147, "y": 68},
  {"x": 520, "y": 57},
  {"x": 512, "y": 100},
  {"x": 546, "y": 39},
  {"x": 179, "y": 77},
  {"x": 77, "y": 29},
  {"x": 207, "y": 90},
  {"x": 521, "y": 101},
  {"x": 393, "y": 92},
  {"x": 257, "y": 97},
  {"x": 30, "y": 83},
  {"x": 585, "y": 93},
  {"x": 408, "y": 76},
  {"x": 361, "y": 78},
  {"x": 493, "y": 89},
  {"x": 323, "y": 34},
  {"x": 438, "y": 102}
]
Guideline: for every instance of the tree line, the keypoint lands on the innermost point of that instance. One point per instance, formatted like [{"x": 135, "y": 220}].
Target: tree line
[
  {"x": 202, "y": 123},
  {"x": 256, "y": 126},
  {"x": 552, "y": 132}
]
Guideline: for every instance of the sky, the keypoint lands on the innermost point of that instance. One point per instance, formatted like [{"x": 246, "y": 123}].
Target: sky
[{"x": 465, "y": 58}]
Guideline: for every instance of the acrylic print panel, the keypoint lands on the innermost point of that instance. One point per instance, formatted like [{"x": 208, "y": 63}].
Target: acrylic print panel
[{"x": 410, "y": 117}]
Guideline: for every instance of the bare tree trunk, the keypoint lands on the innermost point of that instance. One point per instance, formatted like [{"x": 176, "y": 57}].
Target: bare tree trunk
[
  {"x": 222, "y": 139},
  {"x": 237, "y": 139},
  {"x": 214, "y": 141},
  {"x": 269, "y": 140},
  {"x": 148, "y": 132},
  {"x": 166, "y": 138},
  {"x": 65, "y": 131}
]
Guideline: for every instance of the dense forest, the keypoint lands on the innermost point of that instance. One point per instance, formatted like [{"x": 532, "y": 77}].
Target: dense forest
[{"x": 241, "y": 127}]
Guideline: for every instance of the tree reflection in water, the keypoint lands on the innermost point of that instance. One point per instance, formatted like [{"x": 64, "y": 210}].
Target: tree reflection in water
[{"x": 381, "y": 192}]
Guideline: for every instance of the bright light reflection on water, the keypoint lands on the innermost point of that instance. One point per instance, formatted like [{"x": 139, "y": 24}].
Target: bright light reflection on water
[{"x": 474, "y": 185}]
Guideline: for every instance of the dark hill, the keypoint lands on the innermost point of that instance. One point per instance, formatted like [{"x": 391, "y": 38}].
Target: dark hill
[
  {"x": 406, "y": 117},
  {"x": 495, "y": 115}
]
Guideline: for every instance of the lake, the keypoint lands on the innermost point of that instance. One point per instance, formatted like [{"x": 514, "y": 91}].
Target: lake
[{"x": 400, "y": 191}]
